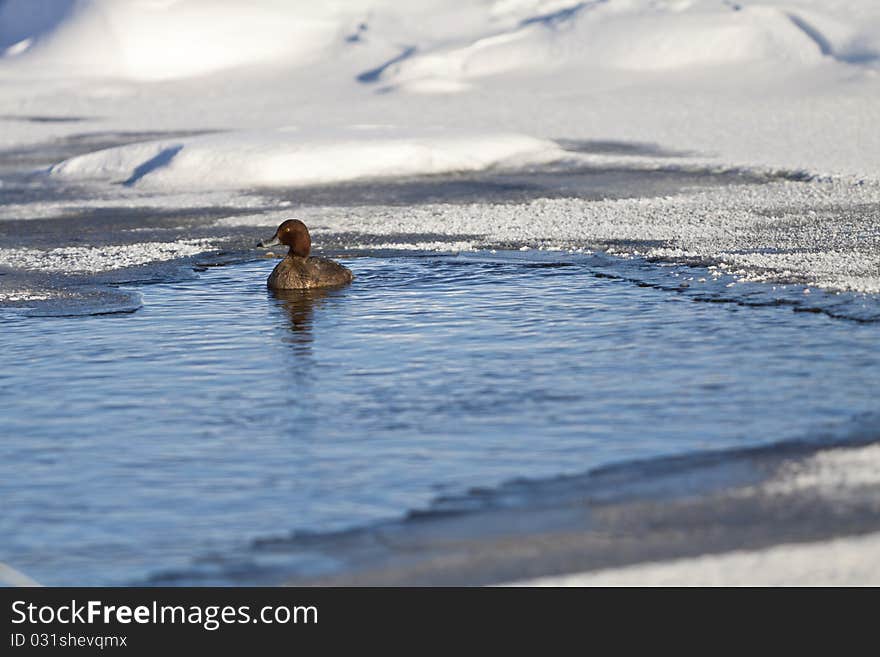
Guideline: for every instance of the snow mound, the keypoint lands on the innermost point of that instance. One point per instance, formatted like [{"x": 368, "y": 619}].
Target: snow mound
[
  {"x": 783, "y": 83},
  {"x": 700, "y": 38},
  {"x": 162, "y": 39},
  {"x": 601, "y": 36},
  {"x": 274, "y": 158},
  {"x": 24, "y": 21},
  {"x": 437, "y": 45}
]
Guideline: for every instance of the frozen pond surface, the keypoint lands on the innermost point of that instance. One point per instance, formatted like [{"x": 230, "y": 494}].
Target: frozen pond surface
[{"x": 218, "y": 414}]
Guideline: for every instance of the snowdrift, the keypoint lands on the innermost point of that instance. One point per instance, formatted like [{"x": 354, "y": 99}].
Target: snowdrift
[
  {"x": 161, "y": 39},
  {"x": 268, "y": 158},
  {"x": 441, "y": 42},
  {"x": 781, "y": 83}
]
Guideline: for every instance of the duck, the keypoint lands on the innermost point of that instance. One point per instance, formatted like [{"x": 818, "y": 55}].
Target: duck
[{"x": 299, "y": 271}]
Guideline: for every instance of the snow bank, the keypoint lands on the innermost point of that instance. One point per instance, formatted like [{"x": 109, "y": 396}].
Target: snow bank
[
  {"x": 289, "y": 158},
  {"x": 22, "y": 22},
  {"x": 594, "y": 36},
  {"x": 786, "y": 83},
  {"x": 839, "y": 562},
  {"x": 160, "y": 39},
  {"x": 838, "y": 475},
  {"x": 673, "y": 40},
  {"x": 833, "y": 473}
]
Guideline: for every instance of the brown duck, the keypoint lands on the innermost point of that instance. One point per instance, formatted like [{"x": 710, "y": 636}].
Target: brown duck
[{"x": 298, "y": 271}]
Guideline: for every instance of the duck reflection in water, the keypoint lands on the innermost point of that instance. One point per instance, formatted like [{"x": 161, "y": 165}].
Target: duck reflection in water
[{"x": 300, "y": 306}]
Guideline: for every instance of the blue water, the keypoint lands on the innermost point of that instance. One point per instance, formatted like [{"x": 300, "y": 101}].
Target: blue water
[{"x": 217, "y": 414}]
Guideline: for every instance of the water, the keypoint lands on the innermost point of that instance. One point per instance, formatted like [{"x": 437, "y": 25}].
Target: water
[{"x": 218, "y": 414}]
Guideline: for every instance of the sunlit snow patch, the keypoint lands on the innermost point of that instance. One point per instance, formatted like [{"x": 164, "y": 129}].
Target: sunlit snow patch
[
  {"x": 165, "y": 39},
  {"x": 71, "y": 259},
  {"x": 267, "y": 158}
]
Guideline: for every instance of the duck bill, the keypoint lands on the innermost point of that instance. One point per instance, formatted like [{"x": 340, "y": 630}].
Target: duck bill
[{"x": 274, "y": 241}]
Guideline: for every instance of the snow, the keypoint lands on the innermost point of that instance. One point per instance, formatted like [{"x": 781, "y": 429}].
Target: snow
[
  {"x": 159, "y": 39},
  {"x": 9, "y": 576},
  {"x": 850, "y": 561},
  {"x": 124, "y": 198},
  {"x": 267, "y": 158},
  {"x": 96, "y": 259},
  {"x": 839, "y": 475},
  {"x": 23, "y": 295},
  {"x": 776, "y": 83},
  {"x": 833, "y": 473},
  {"x": 778, "y": 231},
  {"x": 308, "y": 93},
  {"x": 602, "y": 38}
]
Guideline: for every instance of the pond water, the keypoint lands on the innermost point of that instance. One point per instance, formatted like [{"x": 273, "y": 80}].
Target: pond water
[{"x": 219, "y": 414}]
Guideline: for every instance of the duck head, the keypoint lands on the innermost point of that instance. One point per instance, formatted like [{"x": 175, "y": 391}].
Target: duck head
[{"x": 294, "y": 234}]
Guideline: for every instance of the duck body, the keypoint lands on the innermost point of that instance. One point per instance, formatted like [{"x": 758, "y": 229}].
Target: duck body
[{"x": 299, "y": 271}]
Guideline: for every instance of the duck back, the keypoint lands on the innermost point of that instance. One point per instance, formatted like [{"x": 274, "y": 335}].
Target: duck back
[{"x": 296, "y": 273}]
